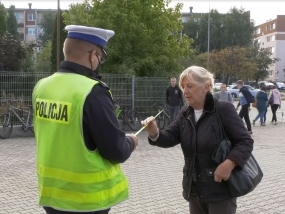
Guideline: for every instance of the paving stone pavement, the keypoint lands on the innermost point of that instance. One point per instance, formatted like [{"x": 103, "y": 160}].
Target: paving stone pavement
[{"x": 154, "y": 175}]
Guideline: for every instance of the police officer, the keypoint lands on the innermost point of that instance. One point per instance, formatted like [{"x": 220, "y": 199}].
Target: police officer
[{"x": 79, "y": 141}]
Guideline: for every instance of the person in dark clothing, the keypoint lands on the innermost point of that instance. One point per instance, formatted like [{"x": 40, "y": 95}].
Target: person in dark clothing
[
  {"x": 261, "y": 106},
  {"x": 79, "y": 142},
  {"x": 244, "y": 102},
  {"x": 197, "y": 130},
  {"x": 173, "y": 99}
]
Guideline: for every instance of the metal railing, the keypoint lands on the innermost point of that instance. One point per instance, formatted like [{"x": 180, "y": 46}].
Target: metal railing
[{"x": 139, "y": 92}]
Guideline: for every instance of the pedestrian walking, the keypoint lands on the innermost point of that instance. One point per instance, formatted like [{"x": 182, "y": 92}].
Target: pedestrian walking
[
  {"x": 275, "y": 104},
  {"x": 197, "y": 130},
  {"x": 224, "y": 94},
  {"x": 245, "y": 98},
  {"x": 174, "y": 99},
  {"x": 79, "y": 141},
  {"x": 262, "y": 99}
]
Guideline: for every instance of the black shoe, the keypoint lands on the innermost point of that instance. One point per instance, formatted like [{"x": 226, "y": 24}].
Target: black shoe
[{"x": 249, "y": 132}]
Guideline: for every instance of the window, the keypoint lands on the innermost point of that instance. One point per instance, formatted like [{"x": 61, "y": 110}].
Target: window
[
  {"x": 272, "y": 38},
  {"x": 258, "y": 41},
  {"x": 258, "y": 31},
  {"x": 272, "y": 26},
  {"x": 17, "y": 15},
  {"x": 31, "y": 17},
  {"x": 268, "y": 38},
  {"x": 272, "y": 50},
  {"x": 31, "y": 31},
  {"x": 266, "y": 28}
]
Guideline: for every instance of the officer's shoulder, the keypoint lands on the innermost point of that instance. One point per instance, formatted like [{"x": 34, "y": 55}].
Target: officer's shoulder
[{"x": 102, "y": 84}]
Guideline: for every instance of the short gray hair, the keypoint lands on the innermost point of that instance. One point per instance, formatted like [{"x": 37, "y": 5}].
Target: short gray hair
[{"x": 200, "y": 74}]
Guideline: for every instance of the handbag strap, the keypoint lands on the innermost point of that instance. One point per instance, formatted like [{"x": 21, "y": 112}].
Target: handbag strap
[{"x": 222, "y": 130}]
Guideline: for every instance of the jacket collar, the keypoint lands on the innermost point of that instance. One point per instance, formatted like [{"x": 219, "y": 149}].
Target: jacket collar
[{"x": 209, "y": 106}]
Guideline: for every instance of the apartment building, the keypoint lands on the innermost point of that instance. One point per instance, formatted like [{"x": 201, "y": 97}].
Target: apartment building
[
  {"x": 29, "y": 22},
  {"x": 271, "y": 36}
]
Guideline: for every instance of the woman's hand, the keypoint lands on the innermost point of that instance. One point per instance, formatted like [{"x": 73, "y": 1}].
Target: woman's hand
[
  {"x": 223, "y": 171},
  {"x": 151, "y": 127}
]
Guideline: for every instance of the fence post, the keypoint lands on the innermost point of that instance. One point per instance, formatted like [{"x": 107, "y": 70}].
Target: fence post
[{"x": 133, "y": 92}]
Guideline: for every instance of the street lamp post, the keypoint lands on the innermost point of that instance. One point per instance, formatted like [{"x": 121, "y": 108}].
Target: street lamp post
[
  {"x": 58, "y": 36},
  {"x": 209, "y": 20}
]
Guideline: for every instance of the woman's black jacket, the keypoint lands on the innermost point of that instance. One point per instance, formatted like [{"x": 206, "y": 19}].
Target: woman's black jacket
[{"x": 198, "y": 141}]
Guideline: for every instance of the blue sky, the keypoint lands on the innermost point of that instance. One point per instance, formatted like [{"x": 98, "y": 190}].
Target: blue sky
[{"x": 261, "y": 10}]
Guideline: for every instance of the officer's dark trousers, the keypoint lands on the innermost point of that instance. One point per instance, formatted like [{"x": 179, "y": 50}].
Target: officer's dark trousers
[
  {"x": 223, "y": 207},
  {"x": 53, "y": 211}
]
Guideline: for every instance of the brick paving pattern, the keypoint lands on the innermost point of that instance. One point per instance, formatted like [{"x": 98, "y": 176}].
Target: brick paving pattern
[{"x": 154, "y": 174}]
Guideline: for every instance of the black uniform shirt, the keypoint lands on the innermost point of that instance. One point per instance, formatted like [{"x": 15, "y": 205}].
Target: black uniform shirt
[{"x": 100, "y": 126}]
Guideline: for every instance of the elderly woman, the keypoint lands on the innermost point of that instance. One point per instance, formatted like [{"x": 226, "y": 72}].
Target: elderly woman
[{"x": 197, "y": 130}]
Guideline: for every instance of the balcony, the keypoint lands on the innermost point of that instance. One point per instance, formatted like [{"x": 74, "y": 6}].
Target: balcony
[{"x": 20, "y": 25}]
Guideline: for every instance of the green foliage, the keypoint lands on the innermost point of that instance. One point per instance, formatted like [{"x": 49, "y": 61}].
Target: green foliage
[
  {"x": 48, "y": 24},
  {"x": 43, "y": 63},
  {"x": 63, "y": 35},
  {"x": 12, "y": 22},
  {"x": 226, "y": 30},
  {"x": 147, "y": 40},
  {"x": 262, "y": 58},
  {"x": 3, "y": 19},
  {"x": 28, "y": 62},
  {"x": 11, "y": 53}
]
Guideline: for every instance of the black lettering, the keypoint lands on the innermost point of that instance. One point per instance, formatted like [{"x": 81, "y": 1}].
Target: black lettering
[
  {"x": 64, "y": 113},
  {"x": 45, "y": 110},
  {"x": 49, "y": 110},
  {"x": 53, "y": 109},
  {"x": 59, "y": 112},
  {"x": 41, "y": 109},
  {"x": 37, "y": 108}
]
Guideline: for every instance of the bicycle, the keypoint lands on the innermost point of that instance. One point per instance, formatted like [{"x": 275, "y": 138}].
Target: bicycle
[
  {"x": 6, "y": 120},
  {"x": 163, "y": 117},
  {"x": 128, "y": 116}
]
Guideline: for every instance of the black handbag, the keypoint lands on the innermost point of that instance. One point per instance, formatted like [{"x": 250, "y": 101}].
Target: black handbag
[{"x": 242, "y": 180}]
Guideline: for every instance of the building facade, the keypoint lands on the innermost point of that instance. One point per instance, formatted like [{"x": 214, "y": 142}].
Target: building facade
[
  {"x": 29, "y": 22},
  {"x": 271, "y": 36}
]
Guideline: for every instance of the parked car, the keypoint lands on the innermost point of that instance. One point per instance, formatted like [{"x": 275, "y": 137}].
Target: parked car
[
  {"x": 218, "y": 85},
  {"x": 235, "y": 91},
  {"x": 280, "y": 85},
  {"x": 268, "y": 85}
]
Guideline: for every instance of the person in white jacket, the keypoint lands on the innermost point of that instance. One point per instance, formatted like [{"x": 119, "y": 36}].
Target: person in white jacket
[{"x": 275, "y": 104}]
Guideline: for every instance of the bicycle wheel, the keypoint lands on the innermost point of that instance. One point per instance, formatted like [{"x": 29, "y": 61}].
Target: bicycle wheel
[
  {"x": 134, "y": 120},
  {"x": 5, "y": 126},
  {"x": 161, "y": 120}
]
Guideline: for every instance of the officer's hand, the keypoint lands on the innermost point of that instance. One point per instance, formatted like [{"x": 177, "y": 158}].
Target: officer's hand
[
  {"x": 151, "y": 127},
  {"x": 135, "y": 139}
]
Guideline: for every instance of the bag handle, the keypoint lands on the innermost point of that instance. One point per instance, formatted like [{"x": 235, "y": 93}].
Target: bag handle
[{"x": 222, "y": 130}]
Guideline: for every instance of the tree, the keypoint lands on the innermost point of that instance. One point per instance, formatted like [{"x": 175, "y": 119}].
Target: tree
[
  {"x": 226, "y": 30},
  {"x": 3, "y": 19},
  {"x": 28, "y": 62},
  {"x": 11, "y": 53},
  {"x": 48, "y": 25},
  {"x": 147, "y": 40},
  {"x": 12, "y": 25},
  {"x": 239, "y": 28},
  {"x": 63, "y": 35},
  {"x": 262, "y": 57},
  {"x": 43, "y": 63}
]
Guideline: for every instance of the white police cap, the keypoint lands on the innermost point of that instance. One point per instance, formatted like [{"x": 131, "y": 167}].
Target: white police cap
[{"x": 96, "y": 36}]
